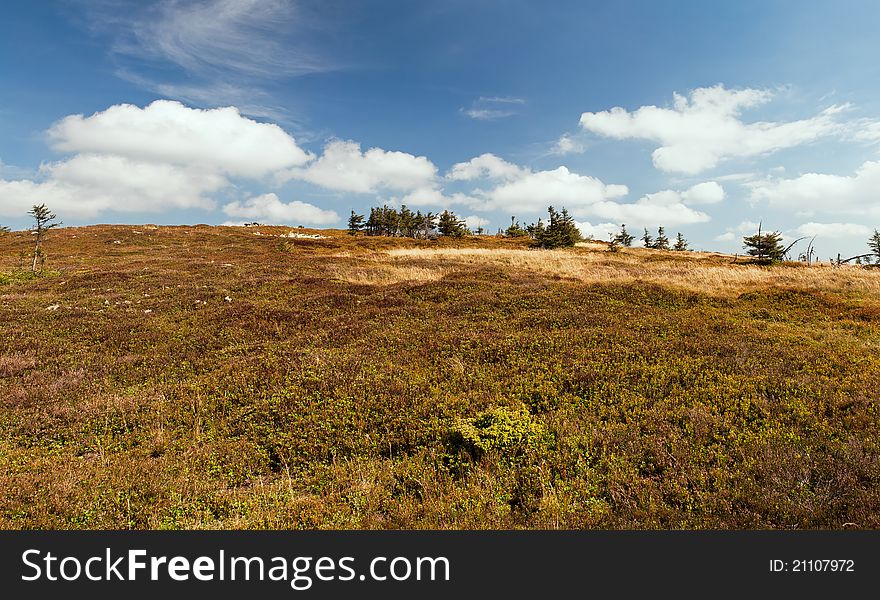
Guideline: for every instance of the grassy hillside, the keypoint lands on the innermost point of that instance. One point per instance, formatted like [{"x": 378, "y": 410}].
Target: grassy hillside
[{"x": 231, "y": 378}]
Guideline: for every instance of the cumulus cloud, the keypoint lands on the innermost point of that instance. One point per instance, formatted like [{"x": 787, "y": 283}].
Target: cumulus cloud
[
  {"x": 161, "y": 157},
  {"x": 89, "y": 184},
  {"x": 169, "y": 132},
  {"x": 736, "y": 233},
  {"x": 665, "y": 208},
  {"x": 518, "y": 189},
  {"x": 708, "y": 192},
  {"x": 485, "y": 166},
  {"x": 818, "y": 192},
  {"x": 833, "y": 230},
  {"x": 344, "y": 167},
  {"x": 701, "y": 131},
  {"x": 268, "y": 208},
  {"x": 602, "y": 231},
  {"x": 474, "y": 222},
  {"x": 533, "y": 191}
]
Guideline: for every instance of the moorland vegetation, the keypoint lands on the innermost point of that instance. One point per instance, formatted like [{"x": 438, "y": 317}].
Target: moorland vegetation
[{"x": 263, "y": 377}]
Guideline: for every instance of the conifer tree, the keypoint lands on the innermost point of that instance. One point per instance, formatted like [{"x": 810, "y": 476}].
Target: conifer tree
[
  {"x": 680, "y": 243},
  {"x": 515, "y": 229},
  {"x": 647, "y": 239},
  {"x": 874, "y": 245},
  {"x": 44, "y": 220},
  {"x": 662, "y": 242},
  {"x": 408, "y": 223},
  {"x": 536, "y": 230},
  {"x": 623, "y": 237},
  {"x": 450, "y": 225},
  {"x": 427, "y": 224},
  {"x": 561, "y": 231},
  {"x": 765, "y": 247},
  {"x": 355, "y": 223}
]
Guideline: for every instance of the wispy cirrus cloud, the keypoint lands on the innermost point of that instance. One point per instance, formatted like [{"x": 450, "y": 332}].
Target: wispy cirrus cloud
[
  {"x": 490, "y": 108},
  {"x": 705, "y": 128},
  {"x": 214, "y": 52},
  {"x": 256, "y": 38}
]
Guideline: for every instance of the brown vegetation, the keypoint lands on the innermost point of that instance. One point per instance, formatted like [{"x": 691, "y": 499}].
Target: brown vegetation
[{"x": 229, "y": 377}]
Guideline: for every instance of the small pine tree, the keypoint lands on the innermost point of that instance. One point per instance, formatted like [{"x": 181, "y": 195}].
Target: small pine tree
[
  {"x": 613, "y": 244},
  {"x": 561, "y": 231},
  {"x": 536, "y": 230},
  {"x": 662, "y": 242},
  {"x": 515, "y": 229},
  {"x": 426, "y": 224},
  {"x": 44, "y": 220},
  {"x": 765, "y": 247},
  {"x": 874, "y": 245},
  {"x": 450, "y": 225},
  {"x": 623, "y": 237},
  {"x": 647, "y": 239},
  {"x": 680, "y": 243},
  {"x": 355, "y": 223}
]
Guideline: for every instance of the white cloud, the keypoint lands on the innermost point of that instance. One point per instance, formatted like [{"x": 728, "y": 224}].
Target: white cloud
[
  {"x": 344, "y": 167},
  {"x": 867, "y": 130},
  {"x": 834, "y": 230},
  {"x": 500, "y": 100},
  {"x": 700, "y": 132},
  {"x": 161, "y": 157},
  {"x": 566, "y": 144},
  {"x": 474, "y": 222},
  {"x": 520, "y": 190},
  {"x": 485, "y": 166},
  {"x": 533, "y": 192},
  {"x": 748, "y": 227},
  {"x": 708, "y": 192},
  {"x": 490, "y": 108},
  {"x": 169, "y": 132},
  {"x": 817, "y": 192},
  {"x": 268, "y": 208},
  {"x": 735, "y": 233},
  {"x": 665, "y": 208},
  {"x": 737, "y": 177},
  {"x": 487, "y": 114},
  {"x": 602, "y": 231},
  {"x": 89, "y": 184}
]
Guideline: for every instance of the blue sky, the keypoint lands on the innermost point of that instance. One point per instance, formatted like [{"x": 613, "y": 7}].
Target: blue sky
[{"x": 704, "y": 117}]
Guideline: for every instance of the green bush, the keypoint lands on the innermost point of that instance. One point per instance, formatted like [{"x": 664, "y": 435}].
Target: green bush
[{"x": 506, "y": 431}]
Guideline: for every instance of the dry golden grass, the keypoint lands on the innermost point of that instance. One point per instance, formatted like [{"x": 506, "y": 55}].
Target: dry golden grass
[
  {"x": 383, "y": 273},
  {"x": 698, "y": 272}
]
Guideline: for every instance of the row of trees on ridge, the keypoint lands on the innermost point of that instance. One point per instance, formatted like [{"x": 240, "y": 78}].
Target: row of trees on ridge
[{"x": 559, "y": 231}]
